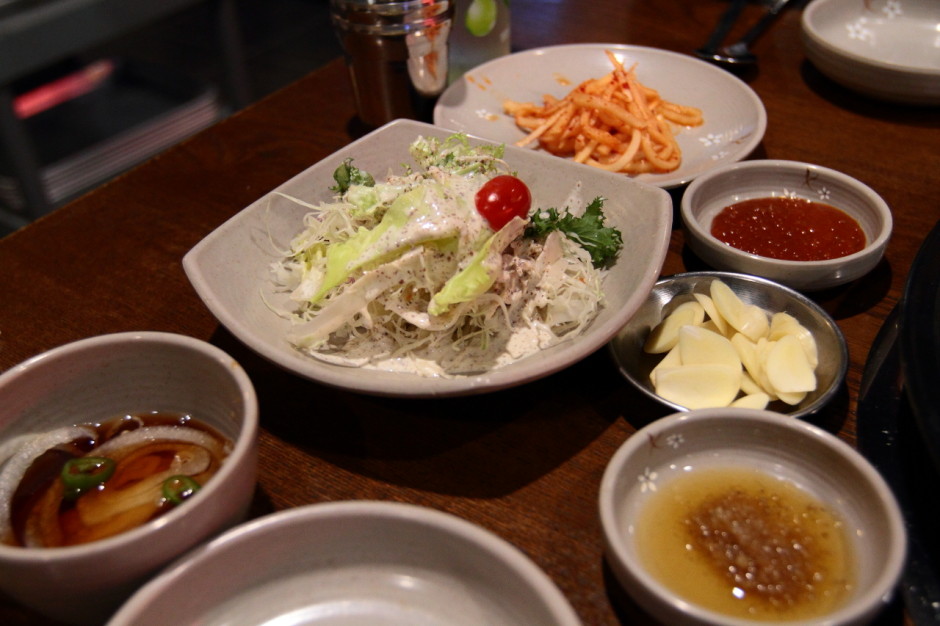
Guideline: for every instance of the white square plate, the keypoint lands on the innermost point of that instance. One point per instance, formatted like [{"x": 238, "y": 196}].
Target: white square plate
[{"x": 230, "y": 268}]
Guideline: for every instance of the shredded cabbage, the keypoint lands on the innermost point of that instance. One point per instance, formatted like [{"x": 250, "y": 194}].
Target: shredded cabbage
[{"x": 405, "y": 274}]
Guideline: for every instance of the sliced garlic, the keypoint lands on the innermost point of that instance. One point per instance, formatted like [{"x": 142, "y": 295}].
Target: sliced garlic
[
  {"x": 672, "y": 359},
  {"x": 782, "y": 324},
  {"x": 698, "y": 345},
  {"x": 749, "y": 386},
  {"x": 757, "y": 400},
  {"x": 747, "y": 352},
  {"x": 788, "y": 368},
  {"x": 722, "y": 351},
  {"x": 791, "y": 398},
  {"x": 712, "y": 312},
  {"x": 748, "y": 319},
  {"x": 757, "y": 323},
  {"x": 666, "y": 334},
  {"x": 699, "y": 386},
  {"x": 752, "y": 359}
]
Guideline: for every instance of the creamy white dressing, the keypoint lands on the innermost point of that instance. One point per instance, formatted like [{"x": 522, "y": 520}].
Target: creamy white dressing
[
  {"x": 523, "y": 342},
  {"x": 519, "y": 297}
]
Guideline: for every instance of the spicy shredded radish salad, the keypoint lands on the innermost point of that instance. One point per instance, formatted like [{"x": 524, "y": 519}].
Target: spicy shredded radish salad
[{"x": 442, "y": 270}]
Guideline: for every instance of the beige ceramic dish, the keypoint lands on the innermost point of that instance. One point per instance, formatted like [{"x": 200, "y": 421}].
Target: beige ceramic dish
[
  {"x": 886, "y": 49},
  {"x": 626, "y": 347},
  {"x": 807, "y": 457},
  {"x": 230, "y": 268},
  {"x": 735, "y": 118},
  {"x": 710, "y": 193},
  {"x": 356, "y": 562},
  {"x": 106, "y": 377}
]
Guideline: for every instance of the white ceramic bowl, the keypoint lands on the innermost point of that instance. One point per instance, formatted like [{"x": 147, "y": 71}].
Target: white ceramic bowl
[
  {"x": 806, "y": 456},
  {"x": 105, "y": 377},
  {"x": 626, "y": 347},
  {"x": 356, "y": 562},
  {"x": 886, "y": 49},
  {"x": 710, "y": 193},
  {"x": 231, "y": 268}
]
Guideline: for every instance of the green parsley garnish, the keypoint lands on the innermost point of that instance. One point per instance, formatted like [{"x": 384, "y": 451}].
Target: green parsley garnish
[
  {"x": 602, "y": 242},
  {"x": 347, "y": 174}
]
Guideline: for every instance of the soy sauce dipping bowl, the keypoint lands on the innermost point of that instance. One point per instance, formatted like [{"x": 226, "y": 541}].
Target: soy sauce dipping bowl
[
  {"x": 626, "y": 348},
  {"x": 104, "y": 377},
  {"x": 707, "y": 195},
  {"x": 809, "y": 458}
]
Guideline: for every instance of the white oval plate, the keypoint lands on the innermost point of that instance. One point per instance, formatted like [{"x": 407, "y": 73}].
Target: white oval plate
[{"x": 735, "y": 119}]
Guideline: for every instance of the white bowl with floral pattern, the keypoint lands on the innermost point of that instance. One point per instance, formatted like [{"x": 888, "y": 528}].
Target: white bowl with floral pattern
[
  {"x": 709, "y": 194},
  {"x": 886, "y": 49},
  {"x": 800, "y": 455}
]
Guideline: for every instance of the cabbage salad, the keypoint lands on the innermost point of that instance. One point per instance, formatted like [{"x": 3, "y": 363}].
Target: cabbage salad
[{"x": 435, "y": 273}]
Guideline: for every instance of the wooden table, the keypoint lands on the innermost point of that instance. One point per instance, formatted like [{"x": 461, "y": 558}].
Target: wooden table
[{"x": 524, "y": 463}]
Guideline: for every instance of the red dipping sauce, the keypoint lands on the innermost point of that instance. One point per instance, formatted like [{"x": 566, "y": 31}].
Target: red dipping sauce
[{"x": 791, "y": 229}]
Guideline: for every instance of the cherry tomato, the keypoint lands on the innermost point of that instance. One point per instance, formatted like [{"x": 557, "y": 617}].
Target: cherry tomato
[{"x": 503, "y": 198}]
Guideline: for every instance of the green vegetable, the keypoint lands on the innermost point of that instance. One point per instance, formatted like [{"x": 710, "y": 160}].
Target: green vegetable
[
  {"x": 479, "y": 274},
  {"x": 466, "y": 284},
  {"x": 455, "y": 154},
  {"x": 364, "y": 198},
  {"x": 347, "y": 174},
  {"x": 84, "y": 473},
  {"x": 381, "y": 244},
  {"x": 176, "y": 489},
  {"x": 602, "y": 242}
]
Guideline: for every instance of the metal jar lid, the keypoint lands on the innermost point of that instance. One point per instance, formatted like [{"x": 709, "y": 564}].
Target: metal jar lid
[{"x": 384, "y": 17}]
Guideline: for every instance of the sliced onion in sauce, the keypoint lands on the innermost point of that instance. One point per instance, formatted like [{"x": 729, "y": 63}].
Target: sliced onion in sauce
[
  {"x": 120, "y": 445},
  {"x": 189, "y": 460},
  {"x": 16, "y": 466},
  {"x": 131, "y": 497},
  {"x": 9, "y": 447},
  {"x": 113, "y": 510}
]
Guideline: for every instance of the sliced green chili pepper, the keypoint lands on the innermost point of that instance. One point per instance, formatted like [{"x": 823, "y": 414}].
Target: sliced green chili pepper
[
  {"x": 179, "y": 488},
  {"x": 84, "y": 473}
]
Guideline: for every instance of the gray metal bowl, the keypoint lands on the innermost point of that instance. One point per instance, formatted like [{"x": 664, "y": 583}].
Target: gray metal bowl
[{"x": 635, "y": 365}]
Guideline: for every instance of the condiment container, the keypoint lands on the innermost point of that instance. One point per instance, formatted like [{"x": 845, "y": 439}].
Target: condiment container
[
  {"x": 99, "y": 378},
  {"x": 709, "y": 194},
  {"x": 787, "y": 451},
  {"x": 397, "y": 55}
]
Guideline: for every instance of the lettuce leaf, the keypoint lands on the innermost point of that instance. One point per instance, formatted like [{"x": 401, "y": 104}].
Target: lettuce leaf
[{"x": 480, "y": 273}]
